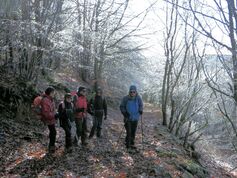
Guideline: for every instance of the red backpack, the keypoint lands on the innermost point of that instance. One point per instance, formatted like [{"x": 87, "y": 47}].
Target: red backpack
[
  {"x": 37, "y": 105},
  {"x": 79, "y": 104}
]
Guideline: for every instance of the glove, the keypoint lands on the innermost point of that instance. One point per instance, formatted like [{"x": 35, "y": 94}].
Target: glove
[
  {"x": 80, "y": 109},
  {"x": 105, "y": 117},
  {"x": 140, "y": 112},
  {"x": 125, "y": 120},
  {"x": 91, "y": 112},
  {"x": 56, "y": 116},
  {"x": 126, "y": 114},
  {"x": 60, "y": 123}
]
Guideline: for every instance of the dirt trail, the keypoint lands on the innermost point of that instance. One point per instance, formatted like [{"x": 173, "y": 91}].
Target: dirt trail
[{"x": 103, "y": 157}]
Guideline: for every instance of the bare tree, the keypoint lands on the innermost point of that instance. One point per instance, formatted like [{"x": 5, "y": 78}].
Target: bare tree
[
  {"x": 182, "y": 99},
  {"x": 28, "y": 31},
  {"x": 225, "y": 21},
  {"x": 102, "y": 28}
]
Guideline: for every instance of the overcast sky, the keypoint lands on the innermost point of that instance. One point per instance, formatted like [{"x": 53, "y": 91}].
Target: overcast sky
[
  {"x": 152, "y": 25},
  {"x": 155, "y": 23}
]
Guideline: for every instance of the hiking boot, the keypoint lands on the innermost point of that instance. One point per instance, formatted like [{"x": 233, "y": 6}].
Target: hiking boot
[
  {"x": 84, "y": 144},
  {"x": 132, "y": 151},
  {"x": 75, "y": 142},
  {"x": 52, "y": 149},
  {"x": 68, "y": 149},
  {"x": 133, "y": 147},
  {"x": 98, "y": 135}
]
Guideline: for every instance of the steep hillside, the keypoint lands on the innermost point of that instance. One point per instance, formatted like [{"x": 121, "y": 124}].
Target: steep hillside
[{"x": 159, "y": 154}]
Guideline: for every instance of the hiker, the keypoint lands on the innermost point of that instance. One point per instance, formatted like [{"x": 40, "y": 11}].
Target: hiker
[
  {"x": 97, "y": 108},
  {"x": 48, "y": 116},
  {"x": 75, "y": 94},
  {"x": 80, "y": 110},
  {"x": 131, "y": 108},
  {"x": 65, "y": 110}
]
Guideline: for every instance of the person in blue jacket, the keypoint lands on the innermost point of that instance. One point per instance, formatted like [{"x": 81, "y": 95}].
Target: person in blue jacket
[{"x": 131, "y": 108}]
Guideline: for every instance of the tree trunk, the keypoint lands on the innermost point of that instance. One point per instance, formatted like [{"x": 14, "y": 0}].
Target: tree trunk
[
  {"x": 172, "y": 113},
  {"x": 187, "y": 134},
  {"x": 232, "y": 35},
  {"x": 164, "y": 94}
]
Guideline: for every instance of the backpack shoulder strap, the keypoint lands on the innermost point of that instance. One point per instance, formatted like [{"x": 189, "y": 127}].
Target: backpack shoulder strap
[
  {"x": 42, "y": 98},
  {"x": 63, "y": 104},
  {"x": 138, "y": 99},
  {"x": 126, "y": 100},
  {"x": 72, "y": 105},
  {"x": 75, "y": 98}
]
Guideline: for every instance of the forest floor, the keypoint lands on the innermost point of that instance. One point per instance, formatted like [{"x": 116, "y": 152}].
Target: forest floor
[{"x": 23, "y": 152}]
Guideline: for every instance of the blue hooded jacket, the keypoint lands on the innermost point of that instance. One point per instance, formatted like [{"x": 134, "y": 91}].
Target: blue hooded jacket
[{"x": 132, "y": 105}]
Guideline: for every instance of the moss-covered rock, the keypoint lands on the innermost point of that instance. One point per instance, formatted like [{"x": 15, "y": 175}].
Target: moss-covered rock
[
  {"x": 159, "y": 171},
  {"x": 186, "y": 174},
  {"x": 163, "y": 153},
  {"x": 195, "y": 169},
  {"x": 15, "y": 93}
]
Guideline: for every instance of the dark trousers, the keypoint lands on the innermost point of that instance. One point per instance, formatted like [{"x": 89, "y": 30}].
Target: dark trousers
[
  {"x": 86, "y": 127},
  {"x": 68, "y": 140},
  {"x": 131, "y": 128},
  {"x": 81, "y": 129},
  {"x": 52, "y": 135},
  {"x": 97, "y": 126}
]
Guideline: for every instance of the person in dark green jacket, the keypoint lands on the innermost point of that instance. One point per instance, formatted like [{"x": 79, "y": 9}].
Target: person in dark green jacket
[
  {"x": 97, "y": 108},
  {"x": 66, "y": 117}
]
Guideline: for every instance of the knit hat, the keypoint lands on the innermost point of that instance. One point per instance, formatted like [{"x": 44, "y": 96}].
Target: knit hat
[
  {"x": 98, "y": 90},
  {"x": 49, "y": 90},
  {"x": 67, "y": 95},
  {"x": 133, "y": 88},
  {"x": 80, "y": 89}
]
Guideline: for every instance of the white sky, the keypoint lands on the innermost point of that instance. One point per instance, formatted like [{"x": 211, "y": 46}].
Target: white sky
[
  {"x": 151, "y": 27},
  {"x": 154, "y": 23}
]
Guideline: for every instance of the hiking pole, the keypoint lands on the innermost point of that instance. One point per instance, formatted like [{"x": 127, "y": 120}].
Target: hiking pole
[
  {"x": 121, "y": 133},
  {"x": 142, "y": 132}
]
